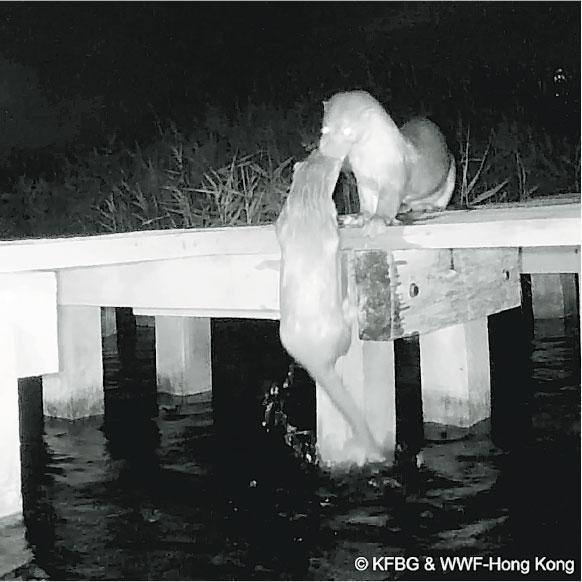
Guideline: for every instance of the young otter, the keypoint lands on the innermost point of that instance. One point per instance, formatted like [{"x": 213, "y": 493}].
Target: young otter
[
  {"x": 396, "y": 169},
  {"x": 431, "y": 167},
  {"x": 315, "y": 326}
]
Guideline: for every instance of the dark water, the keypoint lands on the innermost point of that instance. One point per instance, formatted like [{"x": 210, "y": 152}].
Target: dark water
[{"x": 164, "y": 491}]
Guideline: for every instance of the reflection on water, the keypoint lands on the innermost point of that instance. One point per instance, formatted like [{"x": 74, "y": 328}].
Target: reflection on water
[{"x": 174, "y": 495}]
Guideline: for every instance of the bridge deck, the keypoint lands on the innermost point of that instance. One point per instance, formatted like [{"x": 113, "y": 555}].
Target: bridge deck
[
  {"x": 51, "y": 291},
  {"x": 545, "y": 223},
  {"x": 234, "y": 272}
]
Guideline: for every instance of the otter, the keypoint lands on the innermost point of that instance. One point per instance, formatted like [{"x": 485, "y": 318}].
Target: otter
[
  {"x": 315, "y": 321},
  {"x": 396, "y": 169}
]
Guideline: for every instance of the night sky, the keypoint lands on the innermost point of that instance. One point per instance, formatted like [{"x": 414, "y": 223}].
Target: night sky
[{"x": 119, "y": 62}]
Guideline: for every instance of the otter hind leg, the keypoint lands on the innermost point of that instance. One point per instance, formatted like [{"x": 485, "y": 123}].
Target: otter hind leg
[
  {"x": 389, "y": 201},
  {"x": 330, "y": 381},
  {"x": 369, "y": 199}
]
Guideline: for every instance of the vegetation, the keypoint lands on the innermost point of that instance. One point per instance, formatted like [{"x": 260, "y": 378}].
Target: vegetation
[
  {"x": 232, "y": 165},
  {"x": 237, "y": 171}
]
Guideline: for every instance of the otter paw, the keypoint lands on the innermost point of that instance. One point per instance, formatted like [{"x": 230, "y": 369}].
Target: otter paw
[
  {"x": 375, "y": 455},
  {"x": 362, "y": 453},
  {"x": 355, "y": 452},
  {"x": 377, "y": 225},
  {"x": 350, "y": 220}
]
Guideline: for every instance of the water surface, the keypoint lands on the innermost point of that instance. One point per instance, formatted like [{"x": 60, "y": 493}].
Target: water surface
[{"x": 160, "y": 491}]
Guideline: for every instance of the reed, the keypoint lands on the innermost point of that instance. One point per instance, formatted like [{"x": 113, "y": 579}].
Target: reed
[{"x": 234, "y": 168}]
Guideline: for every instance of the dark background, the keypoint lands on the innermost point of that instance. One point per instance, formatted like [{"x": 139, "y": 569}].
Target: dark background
[{"x": 71, "y": 71}]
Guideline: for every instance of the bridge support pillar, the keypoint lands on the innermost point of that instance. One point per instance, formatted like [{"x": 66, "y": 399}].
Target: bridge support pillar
[
  {"x": 455, "y": 379},
  {"x": 183, "y": 358},
  {"x": 77, "y": 390},
  {"x": 14, "y": 550},
  {"x": 108, "y": 321},
  {"x": 145, "y": 320},
  {"x": 367, "y": 371},
  {"x": 10, "y": 493},
  {"x": 554, "y": 302},
  {"x": 554, "y": 295}
]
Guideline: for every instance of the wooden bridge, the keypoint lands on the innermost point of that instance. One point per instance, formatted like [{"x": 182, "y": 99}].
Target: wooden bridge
[{"x": 439, "y": 278}]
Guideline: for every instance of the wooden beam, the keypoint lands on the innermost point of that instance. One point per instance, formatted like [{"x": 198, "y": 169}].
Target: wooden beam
[
  {"x": 134, "y": 247},
  {"x": 231, "y": 286},
  {"x": 210, "y": 285},
  {"x": 403, "y": 293},
  {"x": 234, "y": 313},
  {"x": 509, "y": 226},
  {"x": 538, "y": 260}
]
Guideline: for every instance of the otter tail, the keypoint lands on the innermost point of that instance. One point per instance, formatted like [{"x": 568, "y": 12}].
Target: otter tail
[{"x": 444, "y": 194}]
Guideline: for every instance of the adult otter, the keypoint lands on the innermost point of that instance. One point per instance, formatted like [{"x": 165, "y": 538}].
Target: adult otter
[
  {"x": 315, "y": 325},
  {"x": 396, "y": 169}
]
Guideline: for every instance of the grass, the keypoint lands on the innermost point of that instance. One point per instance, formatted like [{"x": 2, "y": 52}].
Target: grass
[
  {"x": 247, "y": 190},
  {"x": 235, "y": 169},
  {"x": 474, "y": 168}
]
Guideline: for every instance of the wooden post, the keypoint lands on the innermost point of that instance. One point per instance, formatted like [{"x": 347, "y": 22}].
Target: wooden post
[
  {"x": 145, "y": 320},
  {"x": 10, "y": 493},
  {"x": 183, "y": 358},
  {"x": 444, "y": 296},
  {"x": 108, "y": 321},
  {"x": 77, "y": 390},
  {"x": 455, "y": 378},
  {"x": 554, "y": 295},
  {"x": 14, "y": 550},
  {"x": 367, "y": 371}
]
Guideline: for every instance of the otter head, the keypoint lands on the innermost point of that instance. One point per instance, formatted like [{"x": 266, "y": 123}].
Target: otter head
[{"x": 346, "y": 120}]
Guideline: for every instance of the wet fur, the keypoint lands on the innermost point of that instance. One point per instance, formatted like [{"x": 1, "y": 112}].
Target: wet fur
[
  {"x": 431, "y": 167},
  {"x": 315, "y": 326},
  {"x": 396, "y": 169}
]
